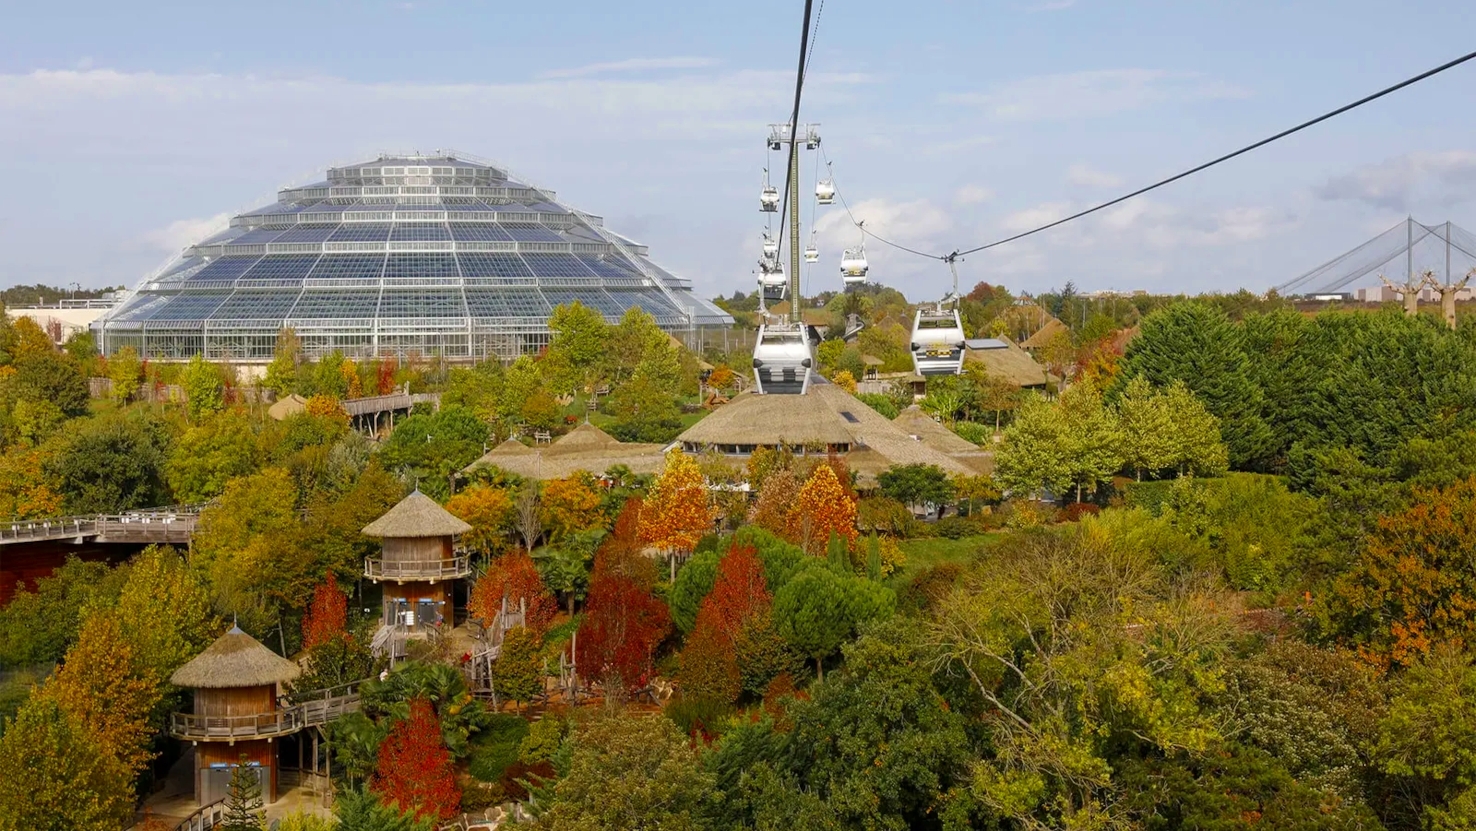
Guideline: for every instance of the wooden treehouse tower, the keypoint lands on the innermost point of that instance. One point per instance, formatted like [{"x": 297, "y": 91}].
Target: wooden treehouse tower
[
  {"x": 237, "y": 684},
  {"x": 418, "y": 568}
]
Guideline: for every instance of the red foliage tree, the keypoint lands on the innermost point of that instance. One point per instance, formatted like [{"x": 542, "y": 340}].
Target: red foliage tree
[
  {"x": 515, "y": 577},
  {"x": 385, "y": 383},
  {"x": 622, "y": 552},
  {"x": 327, "y": 615},
  {"x": 738, "y": 593},
  {"x": 623, "y": 621},
  {"x": 414, "y": 771}
]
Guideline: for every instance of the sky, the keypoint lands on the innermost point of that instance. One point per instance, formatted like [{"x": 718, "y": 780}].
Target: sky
[{"x": 128, "y": 131}]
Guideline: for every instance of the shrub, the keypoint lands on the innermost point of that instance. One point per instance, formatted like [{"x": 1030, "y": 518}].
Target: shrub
[
  {"x": 699, "y": 717},
  {"x": 543, "y": 739},
  {"x": 709, "y": 668},
  {"x": 881, "y": 403},
  {"x": 974, "y": 432},
  {"x": 515, "y": 780},
  {"x": 1076, "y": 510},
  {"x": 497, "y": 747},
  {"x": 878, "y": 514},
  {"x": 956, "y": 527},
  {"x": 930, "y": 585}
]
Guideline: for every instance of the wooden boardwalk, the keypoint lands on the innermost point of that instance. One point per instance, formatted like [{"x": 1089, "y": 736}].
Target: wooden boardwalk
[{"x": 173, "y": 524}]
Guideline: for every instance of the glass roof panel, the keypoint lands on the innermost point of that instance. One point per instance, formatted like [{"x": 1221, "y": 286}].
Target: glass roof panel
[
  {"x": 527, "y": 232},
  {"x": 428, "y": 266},
  {"x": 307, "y": 233},
  {"x": 494, "y": 266},
  {"x": 328, "y": 303},
  {"x": 418, "y": 231},
  {"x": 479, "y": 232},
  {"x": 400, "y": 303},
  {"x": 494, "y": 303},
  {"x": 348, "y": 267},
  {"x": 361, "y": 232},
  {"x": 558, "y": 265}
]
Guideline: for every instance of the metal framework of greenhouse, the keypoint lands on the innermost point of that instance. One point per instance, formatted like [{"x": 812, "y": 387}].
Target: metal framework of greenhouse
[{"x": 409, "y": 255}]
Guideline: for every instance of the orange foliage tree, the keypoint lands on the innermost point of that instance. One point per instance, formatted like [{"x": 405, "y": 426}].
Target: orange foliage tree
[
  {"x": 776, "y": 500},
  {"x": 414, "y": 772},
  {"x": 385, "y": 377},
  {"x": 1415, "y": 584},
  {"x": 570, "y": 505},
  {"x": 327, "y": 614},
  {"x": 489, "y": 512},
  {"x": 709, "y": 665},
  {"x": 326, "y": 406},
  {"x": 104, "y": 688},
  {"x": 515, "y": 577},
  {"x": 824, "y": 507},
  {"x": 677, "y": 512}
]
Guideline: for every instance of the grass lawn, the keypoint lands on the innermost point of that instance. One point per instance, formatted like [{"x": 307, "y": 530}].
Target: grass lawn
[{"x": 923, "y": 553}]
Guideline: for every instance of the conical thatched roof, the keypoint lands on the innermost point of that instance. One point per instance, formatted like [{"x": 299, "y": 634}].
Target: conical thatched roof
[
  {"x": 584, "y": 437},
  {"x": 915, "y": 422},
  {"x": 511, "y": 447},
  {"x": 235, "y": 660},
  {"x": 417, "y": 515}
]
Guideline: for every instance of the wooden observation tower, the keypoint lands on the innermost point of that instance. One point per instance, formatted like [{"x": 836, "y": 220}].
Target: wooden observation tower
[
  {"x": 237, "y": 684},
  {"x": 418, "y": 567}
]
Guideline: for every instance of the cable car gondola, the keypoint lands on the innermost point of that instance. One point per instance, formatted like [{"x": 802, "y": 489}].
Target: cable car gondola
[
  {"x": 769, "y": 196},
  {"x": 771, "y": 247},
  {"x": 772, "y": 281},
  {"x": 825, "y": 192},
  {"x": 782, "y": 359},
  {"x": 812, "y": 254},
  {"x": 853, "y": 265},
  {"x": 937, "y": 342}
]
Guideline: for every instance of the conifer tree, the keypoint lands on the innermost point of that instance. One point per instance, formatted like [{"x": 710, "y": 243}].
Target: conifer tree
[{"x": 243, "y": 810}]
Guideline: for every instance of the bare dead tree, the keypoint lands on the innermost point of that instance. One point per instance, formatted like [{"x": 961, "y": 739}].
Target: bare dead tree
[
  {"x": 1448, "y": 292},
  {"x": 1409, "y": 291},
  {"x": 529, "y": 526}
]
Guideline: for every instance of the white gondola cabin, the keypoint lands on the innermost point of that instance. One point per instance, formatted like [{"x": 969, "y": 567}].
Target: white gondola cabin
[
  {"x": 782, "y": 359},
  {"x": 772, "y": 281},
  {"x": 771, "y": 246},
  {"x": 937, "y": 342},
  {"x": 769, "y": 199},
  {"x": 825, "y": 192},
  {"x": 853, "y": 266}
]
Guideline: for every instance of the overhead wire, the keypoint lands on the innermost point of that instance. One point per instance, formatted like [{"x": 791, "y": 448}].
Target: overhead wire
[{"x": 1429, "y": 73}]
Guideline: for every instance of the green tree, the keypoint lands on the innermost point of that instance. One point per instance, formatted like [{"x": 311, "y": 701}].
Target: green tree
[
  {"x": 1147, "y": 428},
  {"x": 645, "y": 406},
  {"x": 329, "y": 378},
  {"x": 203, "y": 388},
  {"x": 219, "y": 448},
  {"x": 818, "y": 610},
  {"x": 692, "y": 584},
  {"x": 281, "y": 373},
  {"x": 576, "y": 355},
  {"x": 56, "y": 778},
  {"x": 517, "y": 674},
  {"x": 248, "y": 547},
  {"x": 361, "y": 810},
  {"x": 1427, "y": 739},
  {"x": 1035, "y": 452},
  {"x": 1197, "y": 343},
  {"x": 627, "y": 772},
  {"x": 51, "y": 376},
  {"x": 243, "y": 808},
  {"x": 38, "y": 627},
  {"x": 1093, "y": 438},
  {"x": 1194, "y": 433},
  {"x": 113, "y": 463},
  {"x": 916, "y": 484},
  {"x": 429, "y": 449},
  {"x": 126, "y": 372}
]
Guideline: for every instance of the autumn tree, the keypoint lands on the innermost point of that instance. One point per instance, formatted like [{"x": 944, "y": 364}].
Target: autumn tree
[
  {"x": 777, "y": 498},
  {"x": 126, "y": 372},
  {"x": 1415, "y": 583},
  {"x": 515, "y": 578},
  {"x": 326, "y": 616},
  {"x": 823, "y": 507},
  {"x": 489, "y": 512},
  {"x": 103, "y": 688},
  {"x": 569, "y": 505},
  {"x": 57, "y": 778},
  {"x": 710, "y": 668},
  {"x": 415, "y": 773},
  {"x": 209, "y": 454},
  {"x": 677, "y": 512},
  {"x": 623, "y": 621}
]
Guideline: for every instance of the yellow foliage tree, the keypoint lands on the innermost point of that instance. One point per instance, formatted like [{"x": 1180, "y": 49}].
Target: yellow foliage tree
[
  {"x": 326, "y": 406},
  {"x": 351, "y": 380},
  {"x": 677, "y": 512},
  {"x": 24, "y": 490},
  {"x": 845, "y": 380},
  {"x": 823, "y": 508},
  {"x": 29, "y": 339},
  {"x": 103, "y": 687},
  {"x": 489, "y": 511},
  {"x": 569, "y": 505}
]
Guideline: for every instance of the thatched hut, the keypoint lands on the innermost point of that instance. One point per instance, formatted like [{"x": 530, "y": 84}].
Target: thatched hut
[
  {"x": 586, "y": 448},
  {"x": 419, "y": 564},
  {"x": 237, "y": 684}
]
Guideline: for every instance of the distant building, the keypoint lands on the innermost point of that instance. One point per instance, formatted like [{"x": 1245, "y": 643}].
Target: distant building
[{"x": 585, "y": 448}]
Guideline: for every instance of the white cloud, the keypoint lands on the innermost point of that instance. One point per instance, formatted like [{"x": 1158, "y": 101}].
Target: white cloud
[
  {"x": 1444, "y": 178},
  {"x": 1080, "y": 174},
  {"x": 182, "y": 233},
  {"x": 631, "y": 65},
  {"x": 972, "y": 195},
  {"x": 1034, "y": 217},
  {"x": 1091, "y": 93}
]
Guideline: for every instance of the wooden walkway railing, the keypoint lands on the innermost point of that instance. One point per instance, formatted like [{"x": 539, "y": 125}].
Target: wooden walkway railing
[
  {"x": 206, "y": 816},
  {"x": 169, "y": 524},
  {"x": 320, "y": 707},
  {"x": 444, "y": 569}
]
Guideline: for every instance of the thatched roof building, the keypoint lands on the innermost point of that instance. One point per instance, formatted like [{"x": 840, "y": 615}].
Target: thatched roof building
[
  {"x": 286, "y": 407},
  {"x": 828, "y": 419},
  {"x": 1003, "y": 359},
  {"x": 586, "y": 449},
  {"x": 417, "y": 515},
  {"x": 235, "y": 660},
  {"x": 1044, "y": 334}
]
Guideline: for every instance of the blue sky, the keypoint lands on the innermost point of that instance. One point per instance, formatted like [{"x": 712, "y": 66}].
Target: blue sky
[{"x": 126, "y": 130}]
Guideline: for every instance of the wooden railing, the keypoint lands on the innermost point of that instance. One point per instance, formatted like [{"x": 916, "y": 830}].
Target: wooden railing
[
  {"x": 170, "y": 524},
  {"x": 318, "y": 707},
  {"x": 442, "y": 569},
  {"x": 206, "y": 816}
]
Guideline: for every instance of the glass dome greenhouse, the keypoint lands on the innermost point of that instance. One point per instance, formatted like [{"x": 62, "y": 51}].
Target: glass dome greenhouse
[{"x": 404, "y": 255}]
